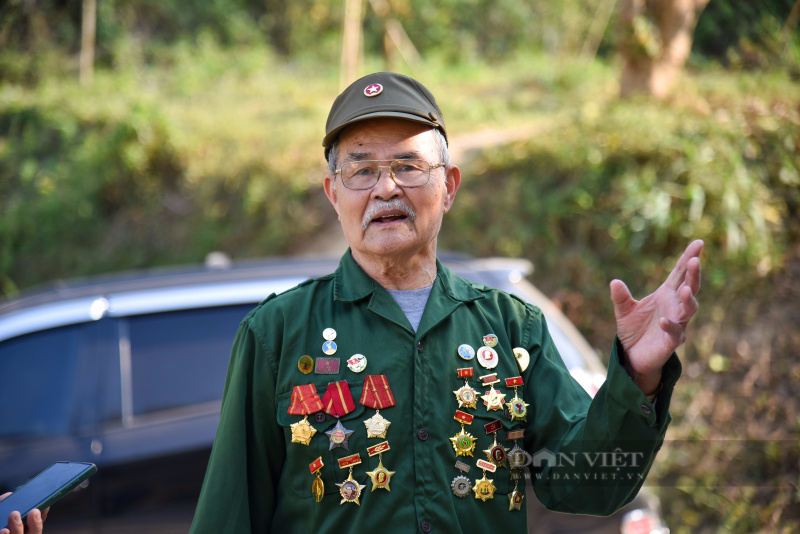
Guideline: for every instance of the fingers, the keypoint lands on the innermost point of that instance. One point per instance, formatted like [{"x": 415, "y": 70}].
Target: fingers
[
  {"x": 678, "y": 274},
  {"x": 35, "y": 522},
  {"x": 621, "y": 297},
  {"x": 693, "y": 275},
  {"x": 14, "y": 524},
  {"x": 674, "y": 330},
  {"x": 688, "y": 305}
]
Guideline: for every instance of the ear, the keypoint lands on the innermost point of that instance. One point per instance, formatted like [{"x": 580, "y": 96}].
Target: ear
[
  {"x": 330, "y": 190},
  {"x": 451, "y": 184}
]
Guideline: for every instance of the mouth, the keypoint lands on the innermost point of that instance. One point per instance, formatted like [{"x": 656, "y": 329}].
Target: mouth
[
  {"x": 387, "y": 214},
  {"x": 388, "y": 218}
]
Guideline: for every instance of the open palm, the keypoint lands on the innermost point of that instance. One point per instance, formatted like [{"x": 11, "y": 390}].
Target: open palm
[{"x": 652, "y": 328}]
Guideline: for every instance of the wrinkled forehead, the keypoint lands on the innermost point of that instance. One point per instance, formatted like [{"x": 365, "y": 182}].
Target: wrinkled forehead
[{"x": 386, "y": 139}]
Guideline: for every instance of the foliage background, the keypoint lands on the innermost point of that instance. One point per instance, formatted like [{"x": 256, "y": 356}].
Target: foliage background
[{"x": 201, "y": 132}]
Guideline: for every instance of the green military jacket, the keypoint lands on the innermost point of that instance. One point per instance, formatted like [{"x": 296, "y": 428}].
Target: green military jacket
[{"x": 589, "y": 456}]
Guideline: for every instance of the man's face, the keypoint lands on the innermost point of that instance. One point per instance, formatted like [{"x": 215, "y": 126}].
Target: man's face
[{"x": 372, "y": 228}]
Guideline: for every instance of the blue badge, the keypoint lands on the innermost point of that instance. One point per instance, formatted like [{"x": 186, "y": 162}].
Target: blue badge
[{"x": 466, "y": 352}]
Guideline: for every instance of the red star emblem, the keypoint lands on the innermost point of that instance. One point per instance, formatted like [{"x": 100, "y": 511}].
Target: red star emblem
[{"x": 373, "y": 89}]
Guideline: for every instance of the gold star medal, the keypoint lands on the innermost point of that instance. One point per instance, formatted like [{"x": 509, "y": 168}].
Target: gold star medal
[
  {"x": 302, "y": 431},
  {"x": 517, "y": 408},
  {"x": 463, "y": 442},
  {"x": 377, "y": 394},
  {"x": 493, "y": 399},
  {"x": 380, "y": 475},
  {"x": 496, "y": 454},
  {"x": 317, "y": 486},
  {"x": 377, "y": 425},
  {"x": 350, "y": 489},
  {"x": 466, "y": 396},
  {"x": 515, "y": 498},
  {"x": 484, "y": 487}
]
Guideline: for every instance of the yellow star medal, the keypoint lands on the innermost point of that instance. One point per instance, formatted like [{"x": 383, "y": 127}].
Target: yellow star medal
[
  {"x": 304, "y": 401},
  {"x": 463, "y": 442},
  {"x": 380, "y": 475},
  {"x": 350, "y": 489},
  {"x": 484, "y": 487},
  {"x": 517, "y": 408},
  {"x": 466, "y": 396},
  {"x": 493, "y": 399},
  {"x": 497, "y": 454},
  {"x": 317, "y": 486}
]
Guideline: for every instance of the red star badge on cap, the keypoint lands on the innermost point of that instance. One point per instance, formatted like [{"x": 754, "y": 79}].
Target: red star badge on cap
[{"x": 373, "y": 90}]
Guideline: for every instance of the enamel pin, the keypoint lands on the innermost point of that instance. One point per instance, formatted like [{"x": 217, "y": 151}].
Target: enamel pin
[
  {"x": 484, "y": 487},
  {"x": 380, "y": 475},
  {"x": 317, "y": 486},
  {"x": 493, "y": 399},
  {"x": 466, "y": 396},
  {"x": 517, "y": 408},
  {"x": 497, "y": 454}
]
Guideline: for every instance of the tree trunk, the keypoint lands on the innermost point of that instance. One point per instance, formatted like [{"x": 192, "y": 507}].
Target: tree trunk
[
  {"x": 656, "y": 42},
  {"x": 88, "y": 31}
]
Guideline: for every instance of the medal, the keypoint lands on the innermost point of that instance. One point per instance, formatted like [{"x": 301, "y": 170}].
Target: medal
[
  {"x": 484, "y": 488},
  {"x": 338, "y": 436},
  {"x": 302, "y": 431},
  {"x": 377, "y": 394},
  {"x": 463, "y": 442},
  {"x": 350, "y": 489},
  {"x": 522, "y": 357},
  {"x": 515, "y": 498},
  {"x": 461, "y": 484},
  {"x": 317, "y": 486},
  {"x": 337, "y": 400},
  {"x": 305, "y": 364},
  {"x": 517, "y": 408},
  {"x": 357, "y": 363},
  {"x": 466, "y": 396},
  {"x": 466, "y": 352},
  {"x": 377, "y": 425},
  {"x": 329, "y": 334},
  {"x": 304, "y": 401},
  {"x": 496, "y": 454},
  {"x": 380, "y": 475},
  {"x": 487, "y": 357},
  {"x": 518, "y": 458},
  {"x": 493, "y": 399},
  {"x": 490, "y": 340}
]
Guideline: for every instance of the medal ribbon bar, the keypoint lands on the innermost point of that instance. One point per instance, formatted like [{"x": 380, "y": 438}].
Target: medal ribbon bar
[
  {"x": 376, "y": 392},
  {"x": 466, "y": 372},
  {"x": 486, "y": 466},
  {"x": 494, "y": 426},
  {"x": 463, "y": 417},
  {"x": 316, "y": 465},
  {"x": 514, "y": 382},
  {"x": 338, "y": 400},
  {"x": 349, "y": 461},
  {"x": 488, "y": 380},
  {"x": 378, "y": 449},
  {"x": 305, "y": 400},
  {"x": 515, "y": 434}
]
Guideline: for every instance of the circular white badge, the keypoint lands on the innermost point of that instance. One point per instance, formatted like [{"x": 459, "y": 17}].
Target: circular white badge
[
  {"x": 329, "y": 334},
  {"x": 523, "y": 358},
  {"x": 357, "y": 363},
  {"x": 487, "y": 357}
]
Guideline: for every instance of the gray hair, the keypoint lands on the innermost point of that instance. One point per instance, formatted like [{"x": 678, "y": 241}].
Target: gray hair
[{"x": 441, "y": 148}]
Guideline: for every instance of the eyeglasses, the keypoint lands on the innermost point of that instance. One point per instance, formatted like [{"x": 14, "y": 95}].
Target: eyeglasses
[{"x": 364, "y": 174}]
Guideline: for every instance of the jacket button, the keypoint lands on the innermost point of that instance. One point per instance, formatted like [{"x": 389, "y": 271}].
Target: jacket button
[
  {"x": 422, "y": 434},
  {"x": 646, "y": 409},
  {"x": 425, "y": 525},
  {"x": 419, "y": 346}
]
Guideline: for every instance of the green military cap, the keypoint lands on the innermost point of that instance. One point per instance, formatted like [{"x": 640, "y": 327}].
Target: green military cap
[{"x": 382, "y": 94}]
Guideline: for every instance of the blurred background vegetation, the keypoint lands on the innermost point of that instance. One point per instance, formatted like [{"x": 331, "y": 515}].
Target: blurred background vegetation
[{"x": 198, "y": 128}]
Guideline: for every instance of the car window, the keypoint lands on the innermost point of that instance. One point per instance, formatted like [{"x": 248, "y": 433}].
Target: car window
[
  {"x": 39, "y": 373},
  {"x": 181, "y": 358}
]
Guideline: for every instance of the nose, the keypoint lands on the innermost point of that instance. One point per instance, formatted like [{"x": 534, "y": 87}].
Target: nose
[{"x": 386, "y": 188}]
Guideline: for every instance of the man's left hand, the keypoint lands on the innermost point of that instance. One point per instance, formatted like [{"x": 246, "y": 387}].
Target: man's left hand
[{"x": 652, "y": 328}]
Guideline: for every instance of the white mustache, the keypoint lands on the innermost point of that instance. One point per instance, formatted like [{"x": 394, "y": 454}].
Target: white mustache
[{"x": 379, "y": 206}]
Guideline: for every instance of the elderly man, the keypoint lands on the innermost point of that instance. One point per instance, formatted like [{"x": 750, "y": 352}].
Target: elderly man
[{"x": 394, "y": 395}]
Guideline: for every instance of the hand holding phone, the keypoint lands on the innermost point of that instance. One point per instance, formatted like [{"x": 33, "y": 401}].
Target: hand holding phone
[{"x": 41, "y": 491}]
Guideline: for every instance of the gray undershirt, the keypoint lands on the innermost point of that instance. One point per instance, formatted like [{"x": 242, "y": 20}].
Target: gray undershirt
[{"x": 412, "y": 302}]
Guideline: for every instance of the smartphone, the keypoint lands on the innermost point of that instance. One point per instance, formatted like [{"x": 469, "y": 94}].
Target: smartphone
[{"x": 46, "y": 488}]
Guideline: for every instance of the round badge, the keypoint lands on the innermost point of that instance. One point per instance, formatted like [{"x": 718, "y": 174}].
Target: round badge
[
  {"x": 487, "y": 357},
  {"x": 490, "y": 340},
  {"x": 329, "y": 348},
  {"x": 329, "y": 334},
  {"x": 373, "y": 90},
  {"x": 305, "y": 364},
  {"x": 461, "y": 486},
  {"x": 466, "y": 352},
  {"x": 357, "y": 363},
  {"x": 523, "y": 358},
  {"x": 337, "y": 436}
]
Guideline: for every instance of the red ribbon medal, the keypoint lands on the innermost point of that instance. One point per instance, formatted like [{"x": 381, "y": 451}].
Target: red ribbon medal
[
  {"x": 304, "y": 400},
  {"x": 338, "y": 400},
  {"x": 377, "y": 393}
]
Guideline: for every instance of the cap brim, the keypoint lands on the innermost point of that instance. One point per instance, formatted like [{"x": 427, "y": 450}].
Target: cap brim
[{"x": 333, "y": 134}]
